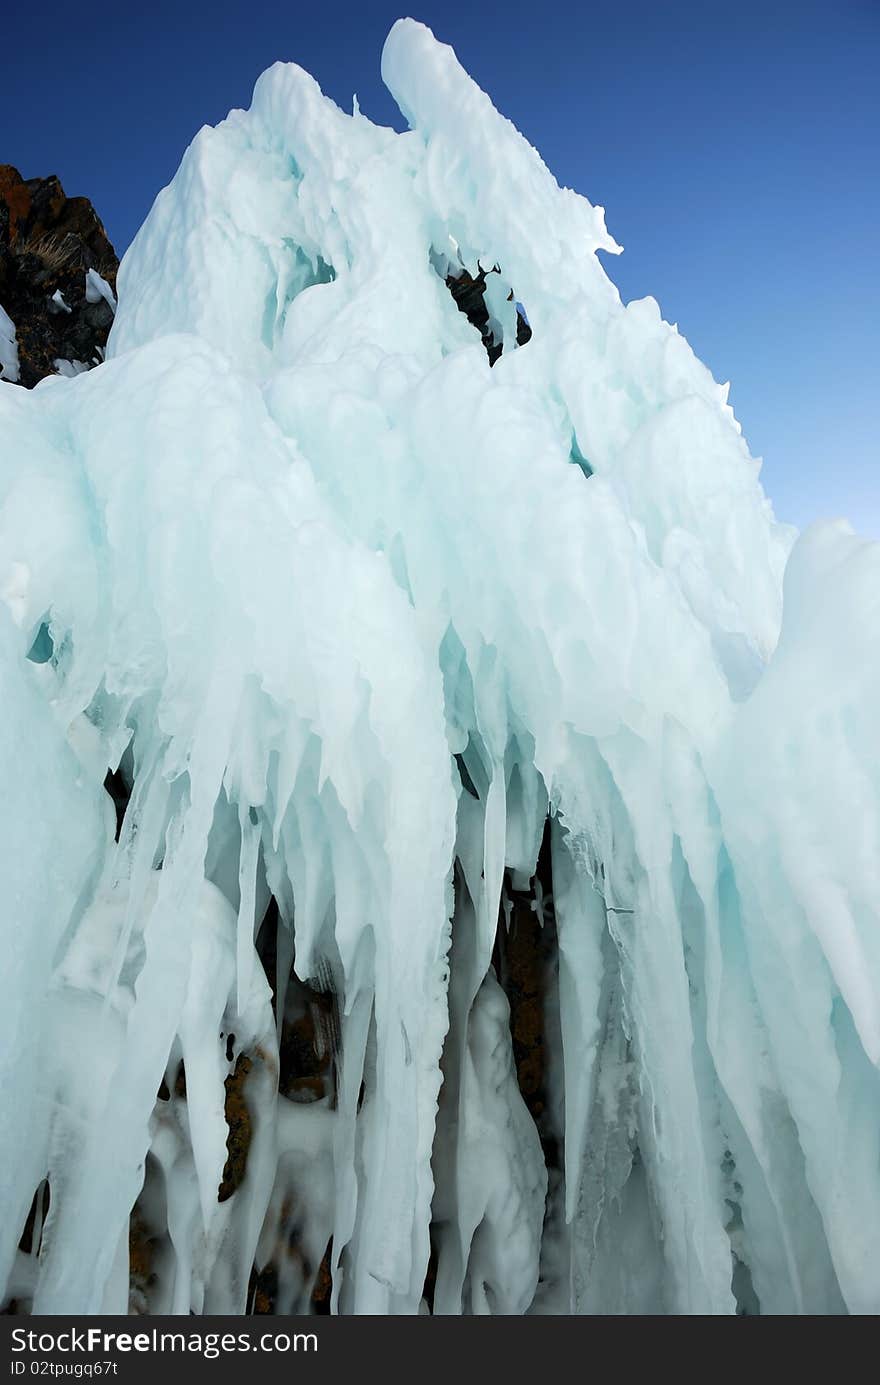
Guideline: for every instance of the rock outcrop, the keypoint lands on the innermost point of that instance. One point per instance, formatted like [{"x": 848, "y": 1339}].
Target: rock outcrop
[
  {"x": 469, "y": 294},
  {"x": 57, "y": 277}
]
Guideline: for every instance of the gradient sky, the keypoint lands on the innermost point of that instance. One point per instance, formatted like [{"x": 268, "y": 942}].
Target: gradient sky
[{"x": 735, "y": 147}]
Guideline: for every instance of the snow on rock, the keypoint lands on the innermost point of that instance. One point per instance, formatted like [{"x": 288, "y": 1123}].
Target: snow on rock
[
  {"x": 342, "y": 585},
  {"x": 70, "y": 368},
  {"x": 98, "y": 288},
  {"x": 8, "y": 349}
]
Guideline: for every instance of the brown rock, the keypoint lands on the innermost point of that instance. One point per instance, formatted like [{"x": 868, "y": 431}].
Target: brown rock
[
  {"x": 468, "y": 293},
  {"x": 48, "y": 242},
  {"x": 238, "y": 1120}
]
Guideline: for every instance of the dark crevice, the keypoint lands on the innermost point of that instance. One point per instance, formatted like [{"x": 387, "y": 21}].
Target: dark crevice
[
  {"x": 430, "y": 1286},
  {"x": 118, "y": 784},
  {"x": 467, "y": 782},
  {"x": 747, "y": 1304},
  {"x": 180, "y": 1082},
  {"x": 31, "y": 1238},
  {"x": 263, "y": 1290},
  {"x": 469, "y": 295},
  {"x": 525, "y": 959},
  {"x": 310, "y": 1024},
  {"x": 323, "y": 1286}
]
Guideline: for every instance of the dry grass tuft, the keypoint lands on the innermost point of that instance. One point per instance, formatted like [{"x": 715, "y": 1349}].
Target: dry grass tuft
[{"x": 55, "y": 252}]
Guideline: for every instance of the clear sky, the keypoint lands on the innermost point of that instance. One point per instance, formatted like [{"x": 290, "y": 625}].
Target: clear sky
[{"x": 735, "y": 145}]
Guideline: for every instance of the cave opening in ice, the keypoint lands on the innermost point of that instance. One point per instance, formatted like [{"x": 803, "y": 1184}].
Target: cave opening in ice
[{"x": 440, "y": 855}]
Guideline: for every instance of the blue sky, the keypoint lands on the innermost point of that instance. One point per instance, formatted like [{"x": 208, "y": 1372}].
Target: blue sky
[{"x": 735, "y": 147}]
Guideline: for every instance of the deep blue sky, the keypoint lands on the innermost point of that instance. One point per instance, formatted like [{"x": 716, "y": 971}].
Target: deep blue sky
[{"x": 735, "y": 145}]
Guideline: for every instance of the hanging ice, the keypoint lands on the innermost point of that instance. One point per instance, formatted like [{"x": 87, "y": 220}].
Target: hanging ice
[{"x": 449, "y": 738}]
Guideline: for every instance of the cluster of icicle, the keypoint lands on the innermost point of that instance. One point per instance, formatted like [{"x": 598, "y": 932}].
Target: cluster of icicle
[{"x": 356, "y": 627}]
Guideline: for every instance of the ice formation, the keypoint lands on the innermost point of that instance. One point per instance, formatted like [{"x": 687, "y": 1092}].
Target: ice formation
[
  {"x": 8, "y": 348},
  {"x": 395, "y": 664}
]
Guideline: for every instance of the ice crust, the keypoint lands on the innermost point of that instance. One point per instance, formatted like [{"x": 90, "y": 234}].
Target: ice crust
[
  {"x": 292, "y": 549},
  {"x": 8, "y": 348}
]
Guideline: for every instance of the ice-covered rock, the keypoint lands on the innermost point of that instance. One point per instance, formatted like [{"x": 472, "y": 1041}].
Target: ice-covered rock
[
  {"x": 378, "y": 643},
  {"x": 57, "y": 270},
  {"x": 8, "y": 349}
]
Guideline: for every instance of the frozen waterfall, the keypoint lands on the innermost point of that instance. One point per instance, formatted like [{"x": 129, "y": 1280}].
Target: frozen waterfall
[{"x": 443, "y": 866}]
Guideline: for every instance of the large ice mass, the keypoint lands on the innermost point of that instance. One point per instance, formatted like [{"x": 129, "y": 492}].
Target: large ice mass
[{"x": 441, "y": 847}]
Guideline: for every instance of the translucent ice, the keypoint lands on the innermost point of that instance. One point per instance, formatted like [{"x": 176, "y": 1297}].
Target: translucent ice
[{"x": 442, "y": 831}]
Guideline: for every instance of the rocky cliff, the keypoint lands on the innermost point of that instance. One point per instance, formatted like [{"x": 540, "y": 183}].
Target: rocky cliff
[{"x": 57, "y": 280}]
